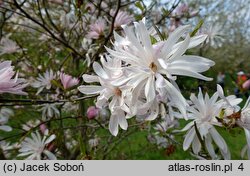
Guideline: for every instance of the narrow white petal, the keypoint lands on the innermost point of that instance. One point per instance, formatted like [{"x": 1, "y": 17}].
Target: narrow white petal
[
  {"x": 90, "y": 89},
  {"x": 188, "y": 139},
  {"x": 209, "y": 146},
  {"x": 90, "y": 78},
  {"x": 49, "y": 139},
  {"x": 113, "y": 125},
  {"x": 99, "y": 71}
]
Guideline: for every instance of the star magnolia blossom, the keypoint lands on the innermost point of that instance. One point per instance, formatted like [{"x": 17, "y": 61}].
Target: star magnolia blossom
[
  {"x": 244, "y": 122},
  {"x": 148, "y": 64},
  {"x": 143, "y": 71},
  {"x": 122, "y": 18},
  {"x": 44, "y": 81},
  {"x": 8, "y": 46},
  {"x": 97, "y": 29},
  {"x": 49, "y": 110},
  {"x": 204, "y": 112},
  {"x": 35, "y": 146},
  {"x": 110, "y": 71},
  {"x": 8, "y": 84}
]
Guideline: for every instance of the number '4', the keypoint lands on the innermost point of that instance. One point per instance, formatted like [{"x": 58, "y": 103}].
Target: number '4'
[{"x": 241, "y": 167}]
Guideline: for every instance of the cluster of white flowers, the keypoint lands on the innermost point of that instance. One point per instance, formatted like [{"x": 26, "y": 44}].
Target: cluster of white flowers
[{"x": 136, "y": 75}]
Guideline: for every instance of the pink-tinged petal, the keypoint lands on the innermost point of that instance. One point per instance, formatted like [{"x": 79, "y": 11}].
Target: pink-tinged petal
[
  {"x": 68, "y": 81},
  {"x": 8, "y": 84}
]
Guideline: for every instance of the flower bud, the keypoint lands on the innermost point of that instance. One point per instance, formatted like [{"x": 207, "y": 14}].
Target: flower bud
[{"x": 92, "y": 112}]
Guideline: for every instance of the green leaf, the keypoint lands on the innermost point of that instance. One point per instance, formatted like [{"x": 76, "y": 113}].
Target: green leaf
[
  {"x": 165, "y": 12},
  {"x": 198, "y": 26},
  {"x": 153, "y": 40},
  {"x": 139, "y": 5},
  {"x": 158, "y": 32}
]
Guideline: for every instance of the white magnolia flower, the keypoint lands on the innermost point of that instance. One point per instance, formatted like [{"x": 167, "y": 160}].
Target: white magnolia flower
[
  {"x": 229, "y": 103},
  {"x": 30, "y": 124},
  {"x": 5, "y": 113},
  {"x": 244, "y": 122},
  {"x": 49, "y": 110},
  {"x": 215, "y": 37},
  {"x": 7, "y": 148},
  {"x": 8, "y": 46},
  {"x": 9, "y": 81},
  {"x": 44, "y": 81},
  {"x": 139, "y": 71},
  {"x": 110, "y": 71},
  {"x": 93, "y": 143},
  {"x": 35, "y": 146},
  {"x": 204, "y": 112},
  {"x": 147, "y": 64}
]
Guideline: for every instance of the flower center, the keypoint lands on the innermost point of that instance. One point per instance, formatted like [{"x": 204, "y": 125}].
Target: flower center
[
  {"x": 153, "y": 67},
  {"x": 118, "y": 92}
]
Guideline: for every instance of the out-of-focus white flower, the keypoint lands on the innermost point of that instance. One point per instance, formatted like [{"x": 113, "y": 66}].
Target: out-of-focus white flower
[
  {"x": 182, "y": 9},
  {"x": 68, "y": 81},
  {"x": 5, "y": 113},
  {"x": 35, "y": 146},
  {"x": 97, "y": 29},
  {"x": 246, "y": 85},
  {"x": 229, "y": 104},
  {"x": 8, "y": 46},
  {"x": 8, "y": 84},
  {"x": 7, "y": 147},
  {"x": 70, "y": 107},
  {"x": 215, "y": 37},
  {"x": 49, "y": 110},
  {"x": 244, "y": 122},
  {"x": 122, "y": 18},
  {"x": 93, "y": 143},
  {"x": 204, "y": 112},
  {"x": 70, "y": 141},
  {"x": 43, "y": 81},
  {"x": 166, "y": 124},
  {"x": 161, "y": 142},
  {"x": 68, "y": 20}
]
